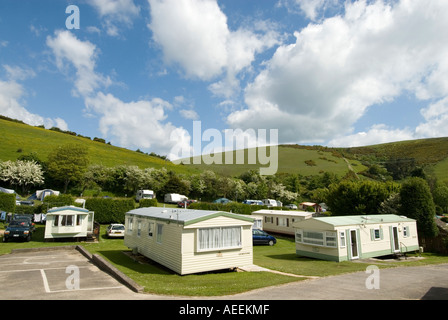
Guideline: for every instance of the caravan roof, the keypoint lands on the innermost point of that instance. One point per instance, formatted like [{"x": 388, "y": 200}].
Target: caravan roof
[{"x": 184, "y": 216}]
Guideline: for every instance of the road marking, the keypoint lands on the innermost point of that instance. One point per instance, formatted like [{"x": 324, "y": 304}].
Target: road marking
[{"x": 44, "y": 278}]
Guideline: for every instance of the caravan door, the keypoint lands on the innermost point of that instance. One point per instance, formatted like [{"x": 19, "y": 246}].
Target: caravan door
[
  {"x": 394, "y": 239},
  {"x": 354, "y": 244}
]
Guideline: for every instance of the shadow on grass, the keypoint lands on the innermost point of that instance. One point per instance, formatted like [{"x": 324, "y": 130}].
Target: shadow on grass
[{"x": 124, "y": 259}]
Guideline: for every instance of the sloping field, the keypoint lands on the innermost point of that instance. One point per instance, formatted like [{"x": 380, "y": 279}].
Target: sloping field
[
  {"x": 291, "y": 159},
  {"x": 21, "y": 139}
]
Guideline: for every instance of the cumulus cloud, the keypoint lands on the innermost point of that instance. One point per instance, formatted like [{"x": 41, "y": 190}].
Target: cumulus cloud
[
  {"x": 12, "y": 99},
  {"x": 315, "y": 89},
  {"x": 194, "y": 35},
  {"x": 135, "y": 124},
  {"x": 116, "y": 13},
  {"x": 82, "y": 55},
  {"x": 377, "y": 134}
]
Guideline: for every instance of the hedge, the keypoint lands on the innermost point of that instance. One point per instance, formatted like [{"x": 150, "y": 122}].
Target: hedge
[
  {"x": 148, "y": 203},
  {"x": 7, "y": 202},
  {"x": 109, "y": 210},
  {"x": 234, "y": 207}
]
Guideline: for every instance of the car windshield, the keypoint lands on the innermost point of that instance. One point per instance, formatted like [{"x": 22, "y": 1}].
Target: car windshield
[
  {"x": 117, "y": 227},
  {"x": 18, "y": 223}
]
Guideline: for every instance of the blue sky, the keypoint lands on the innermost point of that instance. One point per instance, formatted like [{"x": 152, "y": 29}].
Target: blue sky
[{"x": 139, "y": 72}]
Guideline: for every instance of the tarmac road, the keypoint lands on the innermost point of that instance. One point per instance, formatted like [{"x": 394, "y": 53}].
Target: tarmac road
[
  {"x": 68, "y": 274},
  {"x": 402, "y": 283}
]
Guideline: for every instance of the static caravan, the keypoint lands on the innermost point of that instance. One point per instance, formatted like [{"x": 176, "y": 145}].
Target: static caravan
[
  {"x": 190, "y": 241},
  {"x": 144, "y": 194},
  {"x": 174, "y": 198},
  {"x": 68, "y": 222},
  {"x": 280, "y": 221},
  {"x": 344, "y": 238}
]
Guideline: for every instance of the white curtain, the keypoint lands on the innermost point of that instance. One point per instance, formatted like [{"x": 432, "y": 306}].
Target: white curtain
[{"x": 219, "y": 238}]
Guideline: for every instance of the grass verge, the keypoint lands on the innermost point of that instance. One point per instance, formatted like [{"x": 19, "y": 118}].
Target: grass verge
[{"x": 158, "y": 280}]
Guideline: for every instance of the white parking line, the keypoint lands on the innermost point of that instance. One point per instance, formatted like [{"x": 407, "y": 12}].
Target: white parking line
[{"x": 44, "y": 278}]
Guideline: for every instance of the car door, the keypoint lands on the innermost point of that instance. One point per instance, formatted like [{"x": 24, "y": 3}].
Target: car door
[{"x": 257, "y": 236}]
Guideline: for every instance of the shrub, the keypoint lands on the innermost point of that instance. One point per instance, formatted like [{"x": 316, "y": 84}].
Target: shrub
[
  {"x": 58, "y": 201},
  {"x": 148, "y": 203},
  {"x": 7, "y": 202},
  {"x": 110, "y": 210},
  {"x": 234, "y": 207}
]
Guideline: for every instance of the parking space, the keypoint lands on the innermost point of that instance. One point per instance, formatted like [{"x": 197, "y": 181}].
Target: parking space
[{"x": 56, "y": 274}]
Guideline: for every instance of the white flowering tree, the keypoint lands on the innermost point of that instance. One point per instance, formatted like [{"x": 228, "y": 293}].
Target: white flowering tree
[{"x": 20, "y": 173}]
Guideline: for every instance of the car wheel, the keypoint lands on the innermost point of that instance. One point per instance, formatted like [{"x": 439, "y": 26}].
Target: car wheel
[
  {"x": 28, "y": 239},
  {"x": 271, "y": 243},
  {"x": 4, "y": 239}
]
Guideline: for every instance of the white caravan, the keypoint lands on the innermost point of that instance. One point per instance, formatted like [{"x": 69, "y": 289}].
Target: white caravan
[{"x": 144, "y": 194}]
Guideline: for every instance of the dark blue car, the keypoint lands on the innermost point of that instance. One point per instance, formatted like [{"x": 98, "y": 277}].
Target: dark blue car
[{"x": 261, "y": 237}]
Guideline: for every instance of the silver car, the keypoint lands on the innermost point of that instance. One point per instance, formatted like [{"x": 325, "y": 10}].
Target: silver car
[{"x": 115, "y": 230}]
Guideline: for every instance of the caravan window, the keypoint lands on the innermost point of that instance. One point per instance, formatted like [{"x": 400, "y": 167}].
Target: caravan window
[
  {"x": 376, "y": 234},
  {"x": 159, "y": 232},
  {"x": 67, "y": 220},
  {"x": 56, "y": 221},
  {"x": 406, "y": 231},
  {"x": 342, "y": 239},
  {"x": 317, "y": 238},
  {"x": 139, "y": 228},
  {"x": 130, "y": 223},
  {"x": 150, "y": 229},
  {"x": 218, "y": 238}
]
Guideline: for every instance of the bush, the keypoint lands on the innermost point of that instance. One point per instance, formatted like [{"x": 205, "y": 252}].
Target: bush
[
  {"x": 148, "y": 203},
  {"x": 7, "y": 202},
  {"x": 109, "y": 210},
  {"x": 58, "y": 201},
  {"x": 234, "y": 207},
  {"x": 27, "y": 209}
]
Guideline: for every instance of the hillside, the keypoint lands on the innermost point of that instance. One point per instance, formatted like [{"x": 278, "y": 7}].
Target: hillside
[
  {"x": 431, "y": 154},
  {"x": 302, "y": 160},
  {"x": 21, "y": 139}
]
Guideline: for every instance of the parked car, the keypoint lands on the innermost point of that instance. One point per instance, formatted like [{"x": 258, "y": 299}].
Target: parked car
[
  {"x": 291, "y": 206},
  {"x": 261, "y": 237},
  {"x": 25, "y": 217},
  {"x": 18, "y": 229},
  {"x": 185, "y": 202},
  {"x": 115, "y": 230}
]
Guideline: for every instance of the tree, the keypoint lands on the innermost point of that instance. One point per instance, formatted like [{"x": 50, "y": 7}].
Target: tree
[
  {"x": 358, "y": 197},
  {"x": 68, "y": 163},
  {"x": 417, "y": 203},
  {"x": 440, "y": 196},
  {"x": 21, "y": 173}
]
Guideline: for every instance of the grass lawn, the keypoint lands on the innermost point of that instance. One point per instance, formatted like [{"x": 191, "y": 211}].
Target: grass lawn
[{"x": 159, "y": 280}]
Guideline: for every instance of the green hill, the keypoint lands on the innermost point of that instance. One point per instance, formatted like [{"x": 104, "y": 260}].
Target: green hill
[
  {"x": 431, "y": 154},
  {"x": 303, "y": 160},
  {"x": 20, "y": 139}
]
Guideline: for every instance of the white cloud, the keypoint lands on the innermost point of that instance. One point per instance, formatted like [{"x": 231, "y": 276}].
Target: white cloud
[
  {"x": 194, "y": 35},
  {"x": 436, "y": 116},
  {"x": 11, "y": 105},
  {"x": 375, "y": 135},
  {"x": 82, "y": 55},
  {"x": 19, "y": 73},
  {"x": 315, "y": 89},
  {"x": 189, "y": 114},
  {"x": 12, "y": 99},
  {"x": 116, "y": 13},
  {"x": 312, "y": 9},
  {"x": 136, "y": 124}
]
